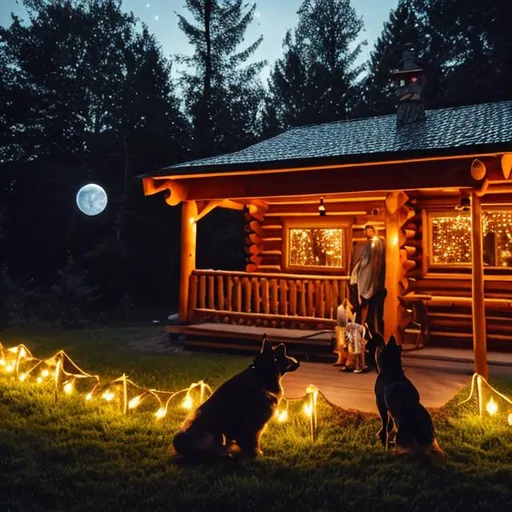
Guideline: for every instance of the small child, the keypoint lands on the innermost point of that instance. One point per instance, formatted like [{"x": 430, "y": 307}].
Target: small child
[
  {"x": 356, "y": 343},
  {"x": 344, "y": 315}
]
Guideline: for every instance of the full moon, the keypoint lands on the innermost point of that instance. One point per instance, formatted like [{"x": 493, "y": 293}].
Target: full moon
[{"x": 91, "y": 199}]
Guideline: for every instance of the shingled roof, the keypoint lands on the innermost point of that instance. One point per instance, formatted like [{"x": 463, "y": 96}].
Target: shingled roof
[{"x": 481, "y": 127}]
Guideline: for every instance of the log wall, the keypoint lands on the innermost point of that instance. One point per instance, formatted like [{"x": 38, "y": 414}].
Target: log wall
[
  {"x": 449, "y": 311},
  {"x": 359, "y": 213}
]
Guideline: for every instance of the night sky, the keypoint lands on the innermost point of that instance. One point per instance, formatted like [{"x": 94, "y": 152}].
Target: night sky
[{"x": 272, "y": 20}]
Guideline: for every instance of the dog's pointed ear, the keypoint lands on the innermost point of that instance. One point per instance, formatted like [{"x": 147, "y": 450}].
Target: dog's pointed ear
[
  {"x": 280, "y": 349},
  {"x": 266, "y": 346},
  {"x": 392, "y": 341}
]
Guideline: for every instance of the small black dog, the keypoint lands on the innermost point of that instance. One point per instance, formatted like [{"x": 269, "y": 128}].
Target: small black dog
[
  {"x": 236, "y": 414},
  {"x": 398, "y": 402}
]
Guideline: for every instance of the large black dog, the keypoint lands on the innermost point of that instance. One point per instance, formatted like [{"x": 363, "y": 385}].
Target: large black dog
[
  {"x": 236, "y": 414},
  {"x": 398, "y": 402}
]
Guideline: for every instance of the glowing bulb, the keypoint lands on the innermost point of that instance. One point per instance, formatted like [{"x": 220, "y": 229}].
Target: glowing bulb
[
  {"x": 509, "y": 419},
  {"x": 39, "y": 380},
  {"x": 2, "y": 362},
  {"x": 23, "y": 376},
  {"x": 68, "y": 388},
  {"x": 9, "y": 368},
  {"x": 108, "y": 396},
  {"x": 88, "y": 396},
  {"x": 45, "y": 373},
  {"x": 492, "y": 407},
  {"x": 187, "y": 403},
  {"x": 308, "y": 409},
  {"x": 134, "y": 402},
  {"x": 282, "y": 416},
  {"x": 161, "y": 413},
  {"x": 22, "y": 352}
]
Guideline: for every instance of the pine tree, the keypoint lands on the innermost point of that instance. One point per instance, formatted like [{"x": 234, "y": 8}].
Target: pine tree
[
  {"x": 316, "y": 79},
  {"x": 98, "y": 105},
  {"x": 377, "y": 96},
  {"x": 222, "y": 91},
  {"x": 474, "y": 49}
]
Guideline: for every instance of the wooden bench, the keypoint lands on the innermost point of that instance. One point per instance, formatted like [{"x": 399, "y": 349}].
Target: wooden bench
[{"x": 421, "y": 305}]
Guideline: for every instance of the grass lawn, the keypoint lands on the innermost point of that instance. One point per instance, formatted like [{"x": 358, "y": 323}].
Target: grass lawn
[{"x": 86, "y": 456}]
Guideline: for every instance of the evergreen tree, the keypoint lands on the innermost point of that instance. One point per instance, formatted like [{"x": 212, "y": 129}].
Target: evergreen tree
[
  {"x": 463, "y": 46},
  {"x": 316, "y": 79},
  {"x": 222, "y": 91},
  {"x": 474, "y": 48},
  {"x": 98, "y": 105},
  {"x": 378, "y": 96}
]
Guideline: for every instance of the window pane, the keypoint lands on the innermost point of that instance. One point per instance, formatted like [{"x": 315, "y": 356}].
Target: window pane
[
  {"x": 451, "y": 239},
  {"x": 498, "y": 238},
  {"x": 316, "y": 247}
]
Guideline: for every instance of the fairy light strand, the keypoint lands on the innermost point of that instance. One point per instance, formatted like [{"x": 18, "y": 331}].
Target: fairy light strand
[
  {"x": 316, "y": 247},
  {"x": 65, "y": 374},
  {"x": 451, "y": 239}
]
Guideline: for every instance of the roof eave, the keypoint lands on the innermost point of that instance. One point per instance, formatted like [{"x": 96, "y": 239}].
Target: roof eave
[{"x": 191, "y": 172}]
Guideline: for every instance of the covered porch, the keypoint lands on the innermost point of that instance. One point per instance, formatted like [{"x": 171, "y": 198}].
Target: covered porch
[{"x": 302, "y": 305}]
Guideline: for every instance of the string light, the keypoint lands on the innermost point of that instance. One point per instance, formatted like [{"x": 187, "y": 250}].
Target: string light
[
  {"x": 108, "y": 396},
  {"x": 451, "y": 238},
  {"x": 66, "y": 370},
  {"x": 492, "y": 407},
  {"x": 316, "y": 247},
  {"x": 477, "y": 383}
]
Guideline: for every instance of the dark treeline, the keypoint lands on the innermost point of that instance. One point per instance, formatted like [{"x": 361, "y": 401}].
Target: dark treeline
[{"x": 88, "y": 96}]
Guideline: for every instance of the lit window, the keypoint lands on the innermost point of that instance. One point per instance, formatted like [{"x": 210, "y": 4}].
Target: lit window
[
  {"x": 451, "y": 239},
  {"x": 316, "y": 247}
]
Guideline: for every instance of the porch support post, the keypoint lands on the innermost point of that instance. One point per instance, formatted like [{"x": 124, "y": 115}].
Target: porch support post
[
  {"x": 391, "y": 303},
  {"x": 477, "y": 283},
  {"x": 188, "y": 255}
]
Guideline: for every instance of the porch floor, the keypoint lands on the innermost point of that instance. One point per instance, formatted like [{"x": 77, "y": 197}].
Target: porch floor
[
  {"x": 438, "y": 372},
  {"x": 437, "y": 382}
]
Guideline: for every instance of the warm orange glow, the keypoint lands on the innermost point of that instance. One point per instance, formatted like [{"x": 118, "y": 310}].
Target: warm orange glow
[
  {"x": 68, "y": 387},
  {"x": 282, "y": 416},
  {"x": 134, "y": 402},
  {"x": 108, "y": 396},
  {"x": 187, "y": 403},
  {"x": 492, "y": 407},
  {"x": 316, "y": 247},
  {"x": 161, "y": 413}
]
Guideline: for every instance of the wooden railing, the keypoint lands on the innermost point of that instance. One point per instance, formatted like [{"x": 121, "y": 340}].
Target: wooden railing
[{"x": 260, "y": 298}]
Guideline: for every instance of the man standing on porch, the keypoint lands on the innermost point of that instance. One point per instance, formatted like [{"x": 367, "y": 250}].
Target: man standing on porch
[{"x": 367, "y": 291}]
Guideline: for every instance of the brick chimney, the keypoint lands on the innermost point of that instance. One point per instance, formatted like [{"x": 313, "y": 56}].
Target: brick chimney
[{"x": 411, "y": 80}]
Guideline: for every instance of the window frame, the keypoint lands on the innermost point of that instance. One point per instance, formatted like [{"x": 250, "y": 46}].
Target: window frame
[{"x": 316, "y": 222}]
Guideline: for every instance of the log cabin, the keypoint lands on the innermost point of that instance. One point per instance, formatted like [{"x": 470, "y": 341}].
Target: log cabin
[{"x": 434, "y": 183}]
